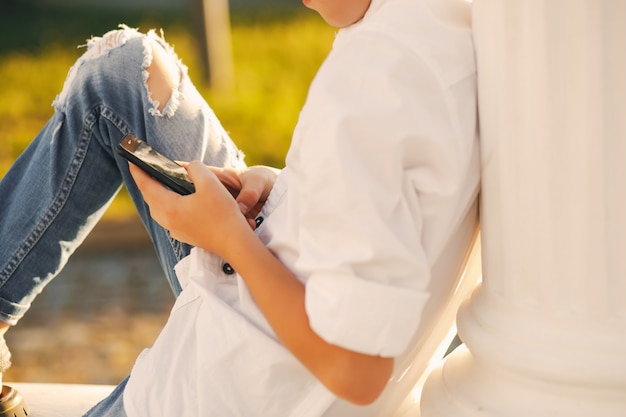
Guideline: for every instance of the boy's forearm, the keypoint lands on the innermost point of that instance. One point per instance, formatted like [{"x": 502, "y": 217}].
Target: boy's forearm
[{"x": 355, "y": 377}]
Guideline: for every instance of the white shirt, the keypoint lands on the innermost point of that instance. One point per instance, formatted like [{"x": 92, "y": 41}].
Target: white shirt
[{"x": 382, "y": 170}]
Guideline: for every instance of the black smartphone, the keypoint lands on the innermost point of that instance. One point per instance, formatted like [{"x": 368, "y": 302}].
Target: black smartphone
[{"x": 158, "y": 166}]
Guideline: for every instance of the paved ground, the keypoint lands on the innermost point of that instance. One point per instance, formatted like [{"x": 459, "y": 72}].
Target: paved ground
[{"x": 91, "y": 322}]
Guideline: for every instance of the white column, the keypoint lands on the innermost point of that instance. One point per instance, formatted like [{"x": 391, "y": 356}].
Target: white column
[{"x": 546, "y": 332}]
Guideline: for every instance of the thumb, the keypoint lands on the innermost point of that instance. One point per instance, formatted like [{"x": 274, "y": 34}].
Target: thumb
[{"x": 199, "y": 174}]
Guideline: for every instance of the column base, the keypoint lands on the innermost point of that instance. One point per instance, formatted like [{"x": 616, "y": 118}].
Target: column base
[{"x": 465, "y": 387}]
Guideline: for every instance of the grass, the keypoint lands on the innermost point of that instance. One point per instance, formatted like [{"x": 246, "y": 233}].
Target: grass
[{"x": 276, "y": 52}]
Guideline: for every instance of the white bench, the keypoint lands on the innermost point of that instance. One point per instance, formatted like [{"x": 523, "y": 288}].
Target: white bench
[{"x": 60, "y": 400}]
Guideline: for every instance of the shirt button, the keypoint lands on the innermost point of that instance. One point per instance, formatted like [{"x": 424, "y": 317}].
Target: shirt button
[
  {"x": 258, "y": 221},
  {"x": 227, "y": 269}
]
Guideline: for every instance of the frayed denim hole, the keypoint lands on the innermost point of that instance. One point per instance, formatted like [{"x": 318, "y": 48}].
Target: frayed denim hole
[
  {"x": 169, "y": 110},
  {"x": 96, "y": 47}
]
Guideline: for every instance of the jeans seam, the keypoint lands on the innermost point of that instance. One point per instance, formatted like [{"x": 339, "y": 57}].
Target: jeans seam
[
  {"x": 119, "y": 123},
  {"x": 56, "y": 205}
]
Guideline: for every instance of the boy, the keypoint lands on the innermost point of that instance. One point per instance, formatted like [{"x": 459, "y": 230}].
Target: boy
[{"x": 295, "y": 298}]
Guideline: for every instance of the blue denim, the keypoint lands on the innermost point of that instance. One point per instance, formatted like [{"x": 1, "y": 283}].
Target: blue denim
[
  {"x": 111, "y": 406},
  {"x": 58, "y": 189}
]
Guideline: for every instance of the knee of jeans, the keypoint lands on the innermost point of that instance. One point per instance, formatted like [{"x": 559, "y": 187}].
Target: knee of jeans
[{"x": 162, "y": 71}]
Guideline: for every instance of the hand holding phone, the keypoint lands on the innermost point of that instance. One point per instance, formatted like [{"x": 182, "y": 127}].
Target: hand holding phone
[{"x": 155, "y": 164}]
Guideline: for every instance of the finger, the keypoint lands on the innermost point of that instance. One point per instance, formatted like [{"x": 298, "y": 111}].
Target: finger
[
  {"x": 209, "y": 184},
  {"x": 251, "y": 193},
  {"x": 202, "y": 175},
  {"x": 229, "y": 177}
]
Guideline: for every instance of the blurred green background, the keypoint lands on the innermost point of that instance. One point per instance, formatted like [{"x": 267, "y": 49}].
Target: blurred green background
[{"x": 277, "y": 47}]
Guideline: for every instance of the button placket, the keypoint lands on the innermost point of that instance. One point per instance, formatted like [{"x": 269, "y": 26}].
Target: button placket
[{"x": 226, "y": 267}]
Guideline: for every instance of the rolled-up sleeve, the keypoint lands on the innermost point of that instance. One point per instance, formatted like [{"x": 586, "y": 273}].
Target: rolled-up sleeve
[
  {"x": 363, "y": 315},
  {"x": 364, "y": 171}
]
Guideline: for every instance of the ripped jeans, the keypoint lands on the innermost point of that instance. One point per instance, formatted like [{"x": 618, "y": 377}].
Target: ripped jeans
[{"x": 58, "y": 189}]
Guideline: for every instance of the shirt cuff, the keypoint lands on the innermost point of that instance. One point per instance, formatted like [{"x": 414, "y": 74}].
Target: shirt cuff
[{"x": 368, "y": 317}]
